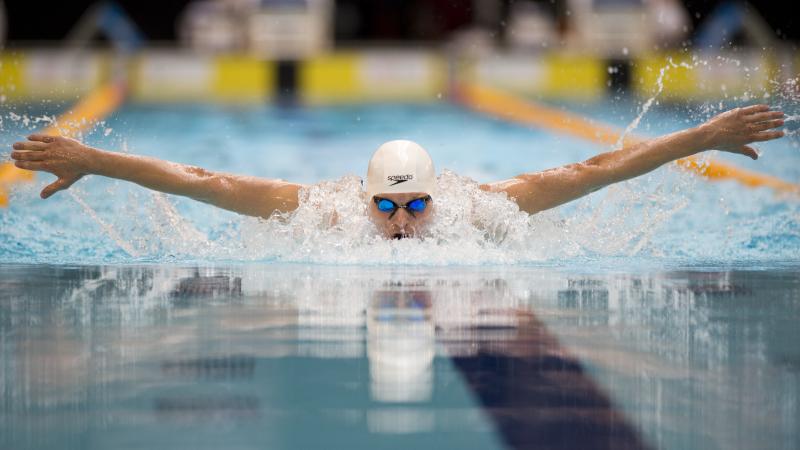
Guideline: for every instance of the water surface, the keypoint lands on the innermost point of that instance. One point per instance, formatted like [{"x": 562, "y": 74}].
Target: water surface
[{"x": 309, "y": 356}]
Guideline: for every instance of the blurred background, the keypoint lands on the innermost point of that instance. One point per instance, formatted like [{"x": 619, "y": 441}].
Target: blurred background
[
  {"x": 229, "y": 24},
  {"x": 325, "y": 50}
]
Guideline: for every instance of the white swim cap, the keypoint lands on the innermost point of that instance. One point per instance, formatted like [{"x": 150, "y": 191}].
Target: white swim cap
[{"x": 398, "y": 167}]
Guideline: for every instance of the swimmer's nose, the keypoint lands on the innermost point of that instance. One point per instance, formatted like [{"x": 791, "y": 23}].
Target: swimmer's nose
[
  {"x": 401, "y": 225},
  {"x": 401, "y": 219}
]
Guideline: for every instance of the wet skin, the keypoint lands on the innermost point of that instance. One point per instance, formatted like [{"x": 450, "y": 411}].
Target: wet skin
[
  {"x": 732, "y": 131},
  {"x": 402, "y": 223}
]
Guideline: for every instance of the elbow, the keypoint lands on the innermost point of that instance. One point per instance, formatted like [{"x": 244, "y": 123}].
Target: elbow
[
  {"x": 204, "y": 185},
  {"x": 591, "y": 175},
  {"x": 212, "y": 188},
  {"x": 198, "y": 172}
]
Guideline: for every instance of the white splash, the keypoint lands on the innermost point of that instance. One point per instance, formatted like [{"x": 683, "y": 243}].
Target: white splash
[
  {"x": 470, "y": 227},
  {"x": 649, "y": 103}
]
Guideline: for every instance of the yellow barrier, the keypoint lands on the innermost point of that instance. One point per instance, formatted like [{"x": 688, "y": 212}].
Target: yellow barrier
[
  {"x": 350, "y": 76},
  {"x": 499, "y": 104},
  {"x": 85, "y": 114},
  {"x": 691, "y": 77}
]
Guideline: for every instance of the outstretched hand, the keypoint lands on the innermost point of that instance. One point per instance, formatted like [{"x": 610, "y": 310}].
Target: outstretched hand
[
  {"x": 733, "y": 130},
  {"x": 65, "y": 158}
]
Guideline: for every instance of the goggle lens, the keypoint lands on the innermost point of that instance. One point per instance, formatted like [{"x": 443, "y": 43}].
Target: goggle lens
[
  {"x": 417, "y": 205},
  {"x": 386, "y": 206}
]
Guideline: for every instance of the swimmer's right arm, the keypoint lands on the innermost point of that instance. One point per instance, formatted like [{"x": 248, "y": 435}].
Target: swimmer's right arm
[{"x": 70, "y": 160}]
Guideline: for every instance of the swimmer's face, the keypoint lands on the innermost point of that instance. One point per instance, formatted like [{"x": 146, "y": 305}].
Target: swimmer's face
[{"x": 400, "y": 223}]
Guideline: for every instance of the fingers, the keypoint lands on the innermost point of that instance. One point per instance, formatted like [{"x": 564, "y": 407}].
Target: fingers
[
  {"x": 749, "y": 151},
  {"x": 42, "y": 138},
  {"x": 26, "y": 155},
  {"x": 754, "y": 109},
  {"x": 761, "y": 117},
  {"x": 767, "y": 136},
  {"x": 30, "y": 165},
  {"x": 35, "y": 146},
  {"x": 58, "y": 185},
  {"x": 763, "y": 126}
]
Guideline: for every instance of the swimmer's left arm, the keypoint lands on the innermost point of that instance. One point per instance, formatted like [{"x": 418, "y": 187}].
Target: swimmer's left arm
[{"x": 730, "y": 131}]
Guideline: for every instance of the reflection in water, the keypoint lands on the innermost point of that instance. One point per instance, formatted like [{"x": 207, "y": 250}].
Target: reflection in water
[
  {"x": 228, "y": 366},
  {"x": 208, "y": 286},
  {"x": 305, "y": 356},
  {"x": 400, "y": 345},
  {"x": 196, "y": 407}
]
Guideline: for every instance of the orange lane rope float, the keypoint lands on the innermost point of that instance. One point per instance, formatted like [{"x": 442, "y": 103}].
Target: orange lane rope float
[
  {"x": 505, "y": 106},
  {"x": 85, "y": 114}
]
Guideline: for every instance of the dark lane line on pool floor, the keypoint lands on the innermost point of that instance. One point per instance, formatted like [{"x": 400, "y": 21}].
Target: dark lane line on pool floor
[{"x": 537, "y": 394}]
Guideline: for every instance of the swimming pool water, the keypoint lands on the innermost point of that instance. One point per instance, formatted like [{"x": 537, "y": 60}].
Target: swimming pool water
[
  {"x": 313, "y": 356},
  {"x": 664, "y": 216},
  {"x": 660, "y": 313}
]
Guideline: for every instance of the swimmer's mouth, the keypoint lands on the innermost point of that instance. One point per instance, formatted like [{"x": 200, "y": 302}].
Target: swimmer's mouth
[{"x": 400, "y": 236}]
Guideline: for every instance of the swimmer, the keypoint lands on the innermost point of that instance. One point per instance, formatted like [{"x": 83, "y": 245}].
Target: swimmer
[{"x": 401, "y": 180}]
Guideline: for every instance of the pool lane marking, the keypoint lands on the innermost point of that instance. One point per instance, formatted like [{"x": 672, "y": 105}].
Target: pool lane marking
[
  {"x": 499, "y": 104},
  {"x": 85, "y": 114},
  {"x": 535, "y": 390}
]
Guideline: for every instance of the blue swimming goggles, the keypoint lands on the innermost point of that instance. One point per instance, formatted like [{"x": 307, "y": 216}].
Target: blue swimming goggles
[{"x": 414, "y": 206}]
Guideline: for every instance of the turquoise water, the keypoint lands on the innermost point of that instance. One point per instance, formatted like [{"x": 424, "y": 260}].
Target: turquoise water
[
  {"x": 314, "y": 356},
  {"x": 660, "y": 313},
  {"x": 665, "y": 217}
]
